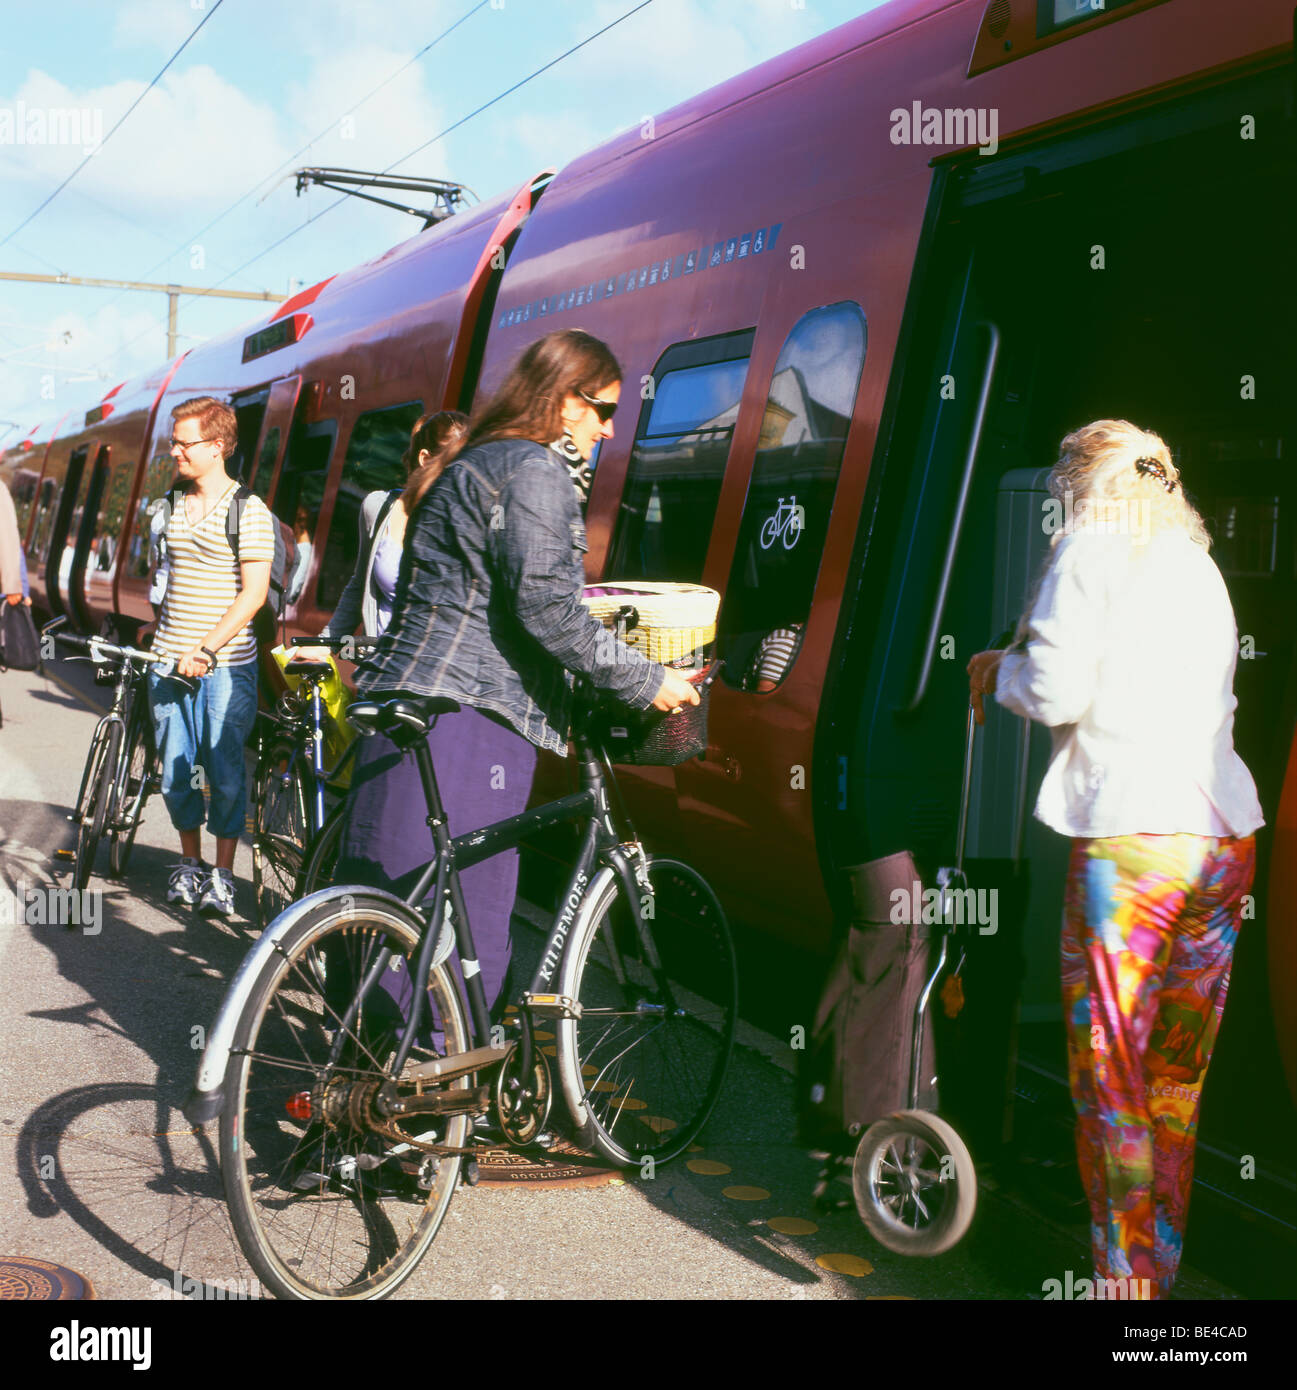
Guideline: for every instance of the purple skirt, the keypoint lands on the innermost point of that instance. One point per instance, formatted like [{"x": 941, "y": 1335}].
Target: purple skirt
[{"x": 484, "y": 773}]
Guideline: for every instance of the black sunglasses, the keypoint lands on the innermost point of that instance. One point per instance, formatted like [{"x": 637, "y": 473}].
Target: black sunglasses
[{"x": 604, "y": 409}]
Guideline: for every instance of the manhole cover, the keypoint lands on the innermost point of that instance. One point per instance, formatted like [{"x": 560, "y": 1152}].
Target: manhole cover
[
  {"x": 22, "y": 1277},
  {"x": 563, "y": 1165}
]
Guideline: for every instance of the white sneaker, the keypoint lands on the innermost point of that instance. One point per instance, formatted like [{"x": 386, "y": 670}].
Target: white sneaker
[
  {"x": 186, "y": 883},
  {"x": 218, "y": 894}
]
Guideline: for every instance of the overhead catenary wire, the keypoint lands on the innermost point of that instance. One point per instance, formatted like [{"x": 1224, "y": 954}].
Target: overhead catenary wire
[
  {"x": 121, "y": 121},
  {"x": 292, "y": 159},
  {"x": 477, "y": 111}
]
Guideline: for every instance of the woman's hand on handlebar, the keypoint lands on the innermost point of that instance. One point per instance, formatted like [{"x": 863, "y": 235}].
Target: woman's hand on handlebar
[{"x": 676, "y": 692}]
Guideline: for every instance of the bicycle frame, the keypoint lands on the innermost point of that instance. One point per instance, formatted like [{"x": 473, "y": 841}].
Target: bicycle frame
[{"x": 440, "y": 877}]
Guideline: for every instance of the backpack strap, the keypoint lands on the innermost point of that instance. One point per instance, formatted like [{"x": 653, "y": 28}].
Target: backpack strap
[{"x": 234, "y": 517}]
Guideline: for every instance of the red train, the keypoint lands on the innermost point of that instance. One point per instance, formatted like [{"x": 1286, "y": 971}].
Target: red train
[{"x": 867, "y": 285}]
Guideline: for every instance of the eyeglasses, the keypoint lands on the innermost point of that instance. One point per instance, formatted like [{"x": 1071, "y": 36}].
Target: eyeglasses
[
  {"x": 186, "y": 445},
  {"x": 605, "y": 410}
]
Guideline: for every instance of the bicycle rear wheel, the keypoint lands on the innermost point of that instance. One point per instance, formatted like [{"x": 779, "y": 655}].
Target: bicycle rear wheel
[
  {"x": 132, "y": 787},
  {"x": 645, "y": 1062},
  {"x": 94, "y": 800},
  {"x": 283, "y": 820},
  {"x": 320, "y": 1201}
]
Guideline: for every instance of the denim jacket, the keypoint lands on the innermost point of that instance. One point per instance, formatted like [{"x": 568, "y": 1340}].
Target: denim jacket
[{"x": 488, "y": 603}]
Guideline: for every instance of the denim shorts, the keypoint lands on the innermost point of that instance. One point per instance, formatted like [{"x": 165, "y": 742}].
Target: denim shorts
[{"x": 200, "y": 739}]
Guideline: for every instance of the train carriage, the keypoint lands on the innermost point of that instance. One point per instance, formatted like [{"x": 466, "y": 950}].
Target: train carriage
[{"x": 859, "y": 293}]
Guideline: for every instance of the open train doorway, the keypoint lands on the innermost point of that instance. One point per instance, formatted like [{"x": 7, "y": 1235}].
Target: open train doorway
[{"x": 1141, "y": 269}]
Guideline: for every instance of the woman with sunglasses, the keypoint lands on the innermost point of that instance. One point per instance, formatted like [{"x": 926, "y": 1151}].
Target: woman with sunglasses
[{"x": 488, "y": 613}]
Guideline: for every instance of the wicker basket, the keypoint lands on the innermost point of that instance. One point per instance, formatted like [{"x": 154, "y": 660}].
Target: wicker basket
[{"x": 672, "y": 624}]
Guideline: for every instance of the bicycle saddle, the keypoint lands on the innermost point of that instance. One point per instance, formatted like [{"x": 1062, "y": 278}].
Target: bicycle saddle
[
  {"x": 308, "y": 668},
  {"x": 404, "y": 721}
]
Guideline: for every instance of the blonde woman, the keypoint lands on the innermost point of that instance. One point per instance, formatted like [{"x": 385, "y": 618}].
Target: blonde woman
[{"x": 1127, "y": 655}]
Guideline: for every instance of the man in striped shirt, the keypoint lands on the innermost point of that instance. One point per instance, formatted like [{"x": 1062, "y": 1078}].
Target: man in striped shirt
[{"x": 206, "y": 624}]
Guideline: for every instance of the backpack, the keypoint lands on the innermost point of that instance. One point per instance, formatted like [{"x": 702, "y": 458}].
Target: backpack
[{"x": 271, "y": 612}]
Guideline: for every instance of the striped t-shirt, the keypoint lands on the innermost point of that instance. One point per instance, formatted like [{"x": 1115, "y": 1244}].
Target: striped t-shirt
[{"x": 204, "y": 578}]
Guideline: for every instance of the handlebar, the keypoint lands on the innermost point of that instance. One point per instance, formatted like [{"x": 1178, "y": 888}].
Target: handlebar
[
  {"x": 361, "y": 646},
  {"x": 100, "y": 650}
]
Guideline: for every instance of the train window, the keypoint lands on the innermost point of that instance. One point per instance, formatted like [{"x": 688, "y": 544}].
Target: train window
[
  {"x": 374, "y": 463},
  {"x": 249, "y": 412},
  {"x": 24, "y": 494},
  {"x": 265, "y": 470},
  {"x": 158, "y": 478},
  {"x": 44, "y": 521},
  {"x": 790, "y": 495},
  {"x": 678, "y": 462},
  {"x": 300, "y": 494}
]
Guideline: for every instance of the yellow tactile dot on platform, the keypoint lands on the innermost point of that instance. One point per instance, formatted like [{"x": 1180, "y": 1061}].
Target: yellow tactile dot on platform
[
  {"x": 549, "y": 1050},
  {"x": 694, "y": 1149},
  {"x": 659, "y": 1124},
  {"x": 792, "y": 1226},
  {"x": 603, "y": 1086},
  {"x": 629, "y": 1103},
  {"x": 707, "y": 1166},
  {"x": 745, "y": 1194},
  {"x": 588, "y": 1070},
  {"x": 845, "y": 1264},
  {"x": 511, "y": 1009},
  {"x": 544, "y": 1037}
]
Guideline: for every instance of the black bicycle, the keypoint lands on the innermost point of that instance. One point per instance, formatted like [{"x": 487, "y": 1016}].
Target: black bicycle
[
  {"x": 295, "y": 796},
  {"x": 121, "y": 771},
  {"x": 343, "y": 1059}
]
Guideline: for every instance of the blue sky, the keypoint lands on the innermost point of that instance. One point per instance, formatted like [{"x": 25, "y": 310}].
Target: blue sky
[{"x": 261, "y": 79}]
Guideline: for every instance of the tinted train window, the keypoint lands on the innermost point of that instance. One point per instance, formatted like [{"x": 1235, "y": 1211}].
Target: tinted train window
[
  {"x": 678, "y": 462},
  {"x": 300, "y": 494},
  {"x": 158, "y": 478},
  {"x": 112, "y": 515},
  {"x": 24, "y": 494},
  {"x": 374, "y": 463},
  {"x": 44, "y": 521},
  {"x": 790, "y": 495},
  {"x": 265, "y": 470}
]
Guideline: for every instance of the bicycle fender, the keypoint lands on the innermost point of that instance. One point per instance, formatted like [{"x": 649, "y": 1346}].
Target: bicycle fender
[{"x": 207, "y": 1098}]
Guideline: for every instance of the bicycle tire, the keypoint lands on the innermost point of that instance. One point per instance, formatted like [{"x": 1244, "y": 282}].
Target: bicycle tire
[
  {"x": 310, "y": 1221},
  {"x": 95, "y": 797},
  {"x": 322, "y": 853},
  {"x": 283, "y": 798},
  {"x": 643, "y": 1066},
  {"x": 132, "y": 791}
]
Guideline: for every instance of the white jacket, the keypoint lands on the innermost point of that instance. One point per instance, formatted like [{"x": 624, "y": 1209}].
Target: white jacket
[{"x": 1130, "y": 662}]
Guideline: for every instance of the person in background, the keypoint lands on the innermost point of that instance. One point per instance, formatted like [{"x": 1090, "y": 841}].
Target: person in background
[
  {"x": 13, "y": 565},
  {"x": 773, "y": 657},
  {"x": 1127, "y": 655},
  {"x": 488, "y": 613},
  {"x": 370, "y": 591},
  {"x": 205, "y": 622}
]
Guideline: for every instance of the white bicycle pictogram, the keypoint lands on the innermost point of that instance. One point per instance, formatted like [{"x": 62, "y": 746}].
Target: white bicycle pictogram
[{"x": 788, "y": 521}]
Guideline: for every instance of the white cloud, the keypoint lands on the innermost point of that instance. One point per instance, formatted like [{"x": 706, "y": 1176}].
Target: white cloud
[{"x": 155, "y": 23}]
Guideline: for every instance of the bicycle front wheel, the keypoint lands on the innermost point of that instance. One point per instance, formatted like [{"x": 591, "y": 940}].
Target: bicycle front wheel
[
  {"x": 283, "y": 820},
  {"x": 95, "y": 798},
  {"x": 324, "y": 1205},
  {"x": 132, "y": 787},
  {"x": 645, "y": 1061}
]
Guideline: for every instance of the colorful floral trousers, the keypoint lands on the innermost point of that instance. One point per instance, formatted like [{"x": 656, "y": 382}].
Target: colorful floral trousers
[{"x": 1149, "y": 929}]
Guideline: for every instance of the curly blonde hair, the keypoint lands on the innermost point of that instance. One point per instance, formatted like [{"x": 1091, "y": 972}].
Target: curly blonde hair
[
  {"x": 1111, "y": 472},
  {"x": 1099, "y": 467}
]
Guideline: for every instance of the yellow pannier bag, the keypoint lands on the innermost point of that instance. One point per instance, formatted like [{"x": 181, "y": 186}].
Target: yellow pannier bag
[{"x": 338, "y": 733}]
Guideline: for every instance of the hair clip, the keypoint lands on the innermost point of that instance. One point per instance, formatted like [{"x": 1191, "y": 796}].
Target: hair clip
[{"x": 1157, "y": 469}]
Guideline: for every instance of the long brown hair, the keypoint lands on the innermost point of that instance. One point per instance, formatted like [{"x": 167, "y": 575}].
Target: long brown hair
[
  {"x": 441, "y": 433},
  {"x": 529, "y": 401}
]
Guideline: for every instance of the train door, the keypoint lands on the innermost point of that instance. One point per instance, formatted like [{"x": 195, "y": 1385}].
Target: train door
[
  {"x": 83, "y": 554},
  {"x": 58, "y": 555},
  {"x": 274, "y": 415}
]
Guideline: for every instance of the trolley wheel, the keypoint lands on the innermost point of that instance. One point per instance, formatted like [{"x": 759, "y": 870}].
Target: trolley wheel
[{"x": 914, "y": 1183}]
